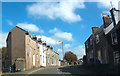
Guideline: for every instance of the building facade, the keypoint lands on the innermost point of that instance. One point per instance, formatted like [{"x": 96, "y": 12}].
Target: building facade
[
  {"x": 25, "y": 52},
  {"x": 104, "y": 42},
  {"x": 32, "y": 52},
  {"x": 22, "y": 50},
  {"x": 52, "y": 57}
]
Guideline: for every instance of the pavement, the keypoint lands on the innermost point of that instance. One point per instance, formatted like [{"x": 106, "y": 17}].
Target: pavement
[{"x": 26, "y": 73}]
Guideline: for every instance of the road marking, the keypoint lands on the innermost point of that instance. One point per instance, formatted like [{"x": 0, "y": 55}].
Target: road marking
[
  {"x": 35, "y": 70},
  {"x": 60, "y": 72}
]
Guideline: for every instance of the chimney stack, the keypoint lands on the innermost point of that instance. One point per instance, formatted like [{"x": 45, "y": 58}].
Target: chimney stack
[
  {"x": 40, "y": 40},
  {"x": 44, "y": 43},
  {"x": 48, "y": 46},
  {"x": 51, "y": 48},
  {"x": 106, "y": 20},
  {"x": 34, "y": 37},
  {"x": 94, "y": 29}
]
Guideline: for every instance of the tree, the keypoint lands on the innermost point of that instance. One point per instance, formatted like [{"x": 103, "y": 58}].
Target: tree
[
  {"x": 4, "y": 49},
  {"x": 70, "y": 57}
]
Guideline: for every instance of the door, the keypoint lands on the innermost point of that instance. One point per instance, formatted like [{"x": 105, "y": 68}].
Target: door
[{"x": 33, "y": 60}]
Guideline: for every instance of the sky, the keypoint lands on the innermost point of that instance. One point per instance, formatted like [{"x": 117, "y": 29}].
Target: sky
[{"x": 69, "y": 22}]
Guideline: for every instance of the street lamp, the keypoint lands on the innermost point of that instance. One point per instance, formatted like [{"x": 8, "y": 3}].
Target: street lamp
[
  {"x": 62, "y": 48},
  {"x": 56, "y": 45}
]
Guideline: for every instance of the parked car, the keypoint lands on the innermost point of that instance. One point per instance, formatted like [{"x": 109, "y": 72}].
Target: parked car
[{"x": 75, "y": 63}]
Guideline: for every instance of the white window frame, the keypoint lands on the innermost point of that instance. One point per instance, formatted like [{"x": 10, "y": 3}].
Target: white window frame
[
  {"x": 97, "y": 39},
  {"x": 90, "y": 41},
  {"x": 116, "y": 56}
]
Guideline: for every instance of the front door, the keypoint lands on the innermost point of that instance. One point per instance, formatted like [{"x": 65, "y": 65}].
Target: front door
[{"x": 33, "y": 60}]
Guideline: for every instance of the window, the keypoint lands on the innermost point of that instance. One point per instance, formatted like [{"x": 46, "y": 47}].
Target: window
[
  {"x": 43, "y": 59},
  {"x": 114, "y": 38},
  {"x": 99, "y": 55},
  {"x": 48, "y": 61},
  {"x": 90, "y": 41},
  {"x": 97, "y": 39},
  {"x": 37, "y": 57},
  {"x": 116, "y": 57},
  {"x": 33, "y": 60},
  {"x": 37, "y": 47},
  {"x": 52, "y": 61}
]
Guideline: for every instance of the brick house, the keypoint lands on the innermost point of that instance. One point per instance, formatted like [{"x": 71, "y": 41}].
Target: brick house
[
  {"x": 96, "y": 45},
  {"x": 114, "y": 41},
  {"x": 104, "y": 42}
]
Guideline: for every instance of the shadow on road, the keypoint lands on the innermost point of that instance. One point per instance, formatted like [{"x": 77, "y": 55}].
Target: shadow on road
[
  {"x": 79, "y": 69},
  {"x": 71, "y": 70}
]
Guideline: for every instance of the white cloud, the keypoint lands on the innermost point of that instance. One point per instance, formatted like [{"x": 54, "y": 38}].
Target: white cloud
[
  {"x": 30, "y": 27},
  {"x": 107, "y": 4},
  {"x": 59, "y": 50},
  {"x": 54, "y": 30},
  {"x": 59, "y": 35},
  {"x": 49, "y": 40},
  {"x": 66, "y": 46},
  {"x": 64, "y": 10},
  {"x": 107, "y": 12},
  {"x": 9, "y": 22},
  {"x": 64, "y": 36},
  {"x": 79, "y": 51},
  {"x": 3, "y": 37}
]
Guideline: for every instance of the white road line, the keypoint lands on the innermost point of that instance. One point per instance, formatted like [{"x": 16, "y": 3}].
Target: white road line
[
  {"x": 35, "y": 70},
  {"x": 60, "y": 72}
]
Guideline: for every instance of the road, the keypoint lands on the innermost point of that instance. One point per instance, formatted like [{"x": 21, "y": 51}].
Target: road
[
  {"x": 69, "y": 70},
  {"x": 60, "y": 70},
  {"x": 50, "y": 70}
]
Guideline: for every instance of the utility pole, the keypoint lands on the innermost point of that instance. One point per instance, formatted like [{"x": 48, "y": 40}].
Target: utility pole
[
  {"x": 63, "y": 51},
  {"x": 111, "y": 4},
  {"x": 62, "y": 48},
  {"x": 56, "y": 46}
]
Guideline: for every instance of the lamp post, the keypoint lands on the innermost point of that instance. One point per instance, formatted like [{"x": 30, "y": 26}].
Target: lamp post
[
  {"x": 62, "y": 48},
  {"x": 63, "y": 51}
]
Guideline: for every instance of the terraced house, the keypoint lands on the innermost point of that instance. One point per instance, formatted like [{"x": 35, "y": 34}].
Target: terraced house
[
  {"x": 104, "y": 42},
  {"x": 52, "y": 57},
  {"x": 22, "y": 50},
  {"x": 32, "y": 52},
  {"x": 25, "y": 52}
]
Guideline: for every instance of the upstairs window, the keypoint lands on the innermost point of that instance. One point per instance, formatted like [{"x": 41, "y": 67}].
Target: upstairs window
[
  {"x": 116, "y": 57},
  {"x": 43, "y": 59},
  {"x": 37, "y": 57},
  {"x": 90, "y": 41},
  {"x": 114, "y": 38},
  {"x": 97, "y": 39}
]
